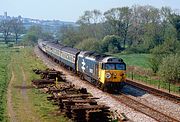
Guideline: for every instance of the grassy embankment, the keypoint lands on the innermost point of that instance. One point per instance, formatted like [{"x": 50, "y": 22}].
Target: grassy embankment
[
  {"x": 28, "y": 103},
  {"x": 139, "y": 69},
  {"x": 4, "y": 78},
  {"x": 42, "y": 109}
]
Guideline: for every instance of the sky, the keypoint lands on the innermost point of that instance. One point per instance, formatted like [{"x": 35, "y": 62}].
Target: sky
[{"x": 71, "y": 10}]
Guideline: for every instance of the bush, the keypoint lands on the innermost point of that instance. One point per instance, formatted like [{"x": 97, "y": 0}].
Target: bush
[
  {"x": 170, "y": 68},
  {"x": 154, "y": 62},
  {"x": 111, "y": 44},
  {"x": 10, "y": 45},
  {"x": 170, "y": 46},
  {"x": 137, "y": 49},
  {"x": 90, "y": 44}
]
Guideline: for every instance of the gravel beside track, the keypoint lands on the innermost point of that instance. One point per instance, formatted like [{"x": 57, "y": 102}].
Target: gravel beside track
[
  {"x": 154, "y": 91},
  {"x": 158, "y": 103},
  {"x": 105, "y": 98},
  {"x": 144, "y": 108}
]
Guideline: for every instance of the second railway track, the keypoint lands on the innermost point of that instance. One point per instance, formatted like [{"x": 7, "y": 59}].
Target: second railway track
[
  {"x": 140, "y": 107},
  {"x": 154, "y": 91}
]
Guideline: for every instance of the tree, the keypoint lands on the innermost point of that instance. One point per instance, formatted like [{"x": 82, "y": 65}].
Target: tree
[
  {"x": 170, "y": 68},
  {"x": 169, "y": 47},
  {"x": 37, "y": 30},
  {"x": 47, "y": 36},
  {"x": 175, "y": 21},
  {"x": 152, "y": 29},
  {"x": 17, "y": 27},
  {"x": 90, "y": 44},
  {"x": 165, "y": 15},
  {"x": 90, "y": 17},
  {"x": 111, "y": 43},
  {"x": 69, "y": 36},
  {"x": 6, "y": 26},
  {"x": 154, "y": 62},
  {"x": 119, "y": 19},
  {"x": 91, "y": 24},
  {"x": 30, "y": 39},
  {"x": 32, "y": 36}
]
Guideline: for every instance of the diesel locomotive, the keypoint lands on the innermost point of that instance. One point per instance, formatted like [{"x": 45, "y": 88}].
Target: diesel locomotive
[{"x": 104, "y": 71}]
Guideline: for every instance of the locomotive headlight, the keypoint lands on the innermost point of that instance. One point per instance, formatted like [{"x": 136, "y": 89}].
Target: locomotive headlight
[{"x": 108, "y": 75}]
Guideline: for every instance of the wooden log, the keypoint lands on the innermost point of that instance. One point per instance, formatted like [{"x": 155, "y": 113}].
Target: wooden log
[
  {"x": 88, "y": 107},
  {"x": 73, "y": 96},
  {"x": 80, "y": 101}
]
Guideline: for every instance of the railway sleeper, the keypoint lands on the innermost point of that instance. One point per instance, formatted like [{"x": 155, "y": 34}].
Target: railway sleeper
[
  {"x": 73, "y": 96},
  {"x": 80, "y": 101},
  {"x": 89, "y": 107},
  {"x": 77, "y": 104}
]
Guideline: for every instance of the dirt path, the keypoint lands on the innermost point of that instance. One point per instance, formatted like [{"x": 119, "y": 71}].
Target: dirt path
[
  {"x": 11, "y": 112},
  {"x": 19, "y": 105},
  {"x": 27, "y": 106}
]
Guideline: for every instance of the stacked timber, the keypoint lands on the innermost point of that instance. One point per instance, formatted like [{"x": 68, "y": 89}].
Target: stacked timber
[{"x": 75, "y": 103}]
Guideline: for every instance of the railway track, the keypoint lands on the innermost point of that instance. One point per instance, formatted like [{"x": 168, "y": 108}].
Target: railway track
[
  {"x": 154, "y": 91},
  {"x": 142, "y": 108},
  {"x": 138, "y": 106}
]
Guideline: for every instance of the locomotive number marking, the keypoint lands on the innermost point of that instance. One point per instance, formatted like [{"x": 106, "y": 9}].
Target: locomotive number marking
[{"x": 83, "y": 65}]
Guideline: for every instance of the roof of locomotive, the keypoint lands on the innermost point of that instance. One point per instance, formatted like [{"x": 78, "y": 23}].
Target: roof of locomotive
[
  {"x": 110, "y": 59},
  {"x": 93, "y": 55},
  {"x": 100, "y": 57}
]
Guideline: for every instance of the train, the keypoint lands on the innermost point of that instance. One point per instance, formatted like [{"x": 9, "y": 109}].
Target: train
[{"x": 103, "y": 71}]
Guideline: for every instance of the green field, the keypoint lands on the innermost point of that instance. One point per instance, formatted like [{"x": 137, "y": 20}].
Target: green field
[
  {"x": 140, "y": 60},
  {"x": 143, "y": 73}
]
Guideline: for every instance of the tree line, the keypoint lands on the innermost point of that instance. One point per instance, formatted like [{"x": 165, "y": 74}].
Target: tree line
[
  {"x": 136, "y": 29},
  {"x": 11, "y": 28}
]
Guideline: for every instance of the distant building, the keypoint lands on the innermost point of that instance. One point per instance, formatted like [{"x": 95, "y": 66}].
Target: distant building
[{"x": 5, "y": 15}]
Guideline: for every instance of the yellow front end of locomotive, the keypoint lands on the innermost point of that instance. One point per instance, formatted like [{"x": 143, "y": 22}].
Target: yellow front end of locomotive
[{"x": 107, "y": 76}]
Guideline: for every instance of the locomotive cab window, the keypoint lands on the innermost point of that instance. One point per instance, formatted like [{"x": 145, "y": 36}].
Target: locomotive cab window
[
  {"x": 114, "y": 66},
  {"x": 109, "y": 66},
  {"x": 120, "y": 66}
]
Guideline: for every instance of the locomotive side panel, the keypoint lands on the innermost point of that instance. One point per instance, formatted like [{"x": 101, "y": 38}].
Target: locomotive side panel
[{"x": 88, "y": 66}]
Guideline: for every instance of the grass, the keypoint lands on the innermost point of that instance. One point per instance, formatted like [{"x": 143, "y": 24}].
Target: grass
[
  {"x": 143, "y": 72},
  {"x": 38, "y": 103},
  {"x": 158, "y": 83},
  {"x": 15, "y": 60},
  {"x": 140, "y": 60},
  {"x": 4, "y": 78}
]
